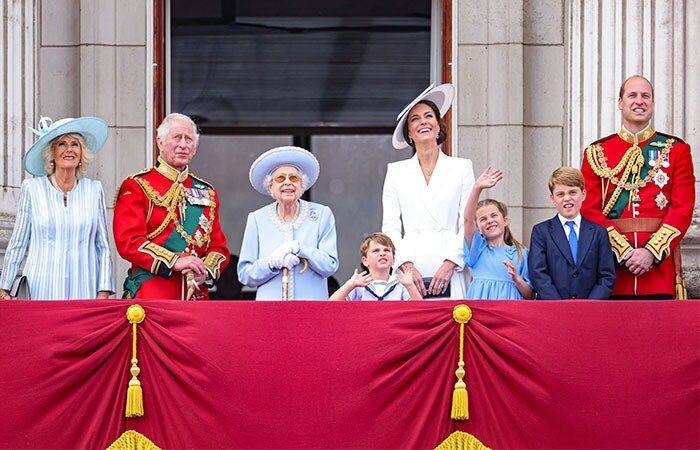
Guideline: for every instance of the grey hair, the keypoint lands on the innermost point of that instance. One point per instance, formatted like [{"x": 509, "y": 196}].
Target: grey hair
[
  {"x": 86, "y": 155},
  {"x": 267, "y": 182},
  {"x": 164, "y": 127}
]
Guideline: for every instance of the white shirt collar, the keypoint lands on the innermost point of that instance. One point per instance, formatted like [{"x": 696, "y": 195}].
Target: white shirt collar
[{"x": 577, "y": 222}]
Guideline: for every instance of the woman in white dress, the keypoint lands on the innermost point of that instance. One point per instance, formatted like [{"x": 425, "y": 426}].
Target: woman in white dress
[
  {"x": 424, "y": 198},
  {"x": 61, "y": 216}
]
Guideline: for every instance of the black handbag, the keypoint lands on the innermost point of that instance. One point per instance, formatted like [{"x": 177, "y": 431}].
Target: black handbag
[{"x": 20, "y": 288}]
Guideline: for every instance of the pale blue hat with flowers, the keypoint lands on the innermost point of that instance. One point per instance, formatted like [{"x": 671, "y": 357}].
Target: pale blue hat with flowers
[
  {"x": 93, "y": 130},
  {"x": 441, "y": 95},
  {"x": 276, "y": 157}
]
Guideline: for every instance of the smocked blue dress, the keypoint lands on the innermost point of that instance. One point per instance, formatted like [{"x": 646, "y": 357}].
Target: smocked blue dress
[{"x": 490, "y": 279}]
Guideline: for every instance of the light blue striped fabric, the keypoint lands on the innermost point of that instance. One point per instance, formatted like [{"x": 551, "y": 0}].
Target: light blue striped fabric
[{"x": 69, "y": 256}]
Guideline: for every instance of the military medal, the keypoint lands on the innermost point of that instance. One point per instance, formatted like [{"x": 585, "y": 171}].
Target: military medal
[
  {"x": 653, "y": 156},
  {"x": 199, "y": 197},
  {"x": 661, "y": 200}
]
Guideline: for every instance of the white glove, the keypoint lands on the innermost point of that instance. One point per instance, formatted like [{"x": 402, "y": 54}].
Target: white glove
[
  {"x": 290, "y": 261},
  {"x": 276, "y": 259}
]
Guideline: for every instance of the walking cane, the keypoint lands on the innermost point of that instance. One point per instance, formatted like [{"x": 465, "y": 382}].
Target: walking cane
[
  {"x": 285, "y": 284},
  {"x": 285, "y": 278}
]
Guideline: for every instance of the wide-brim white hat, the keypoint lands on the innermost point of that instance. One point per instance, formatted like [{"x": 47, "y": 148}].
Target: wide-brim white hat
[
  {"x": 93, "y": 130},
  {"x": 440, "y": 95},
  {"x": 276, "y": 157}
]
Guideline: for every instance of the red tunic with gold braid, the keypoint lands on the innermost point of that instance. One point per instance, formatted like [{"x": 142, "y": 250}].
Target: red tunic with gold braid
[
  {"x": 159, "y": 215},
  {"x": 642, "y": 189}
]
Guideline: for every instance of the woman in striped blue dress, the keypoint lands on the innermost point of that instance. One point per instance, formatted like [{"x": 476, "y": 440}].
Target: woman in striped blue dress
[{"x": 61, "y": 218}]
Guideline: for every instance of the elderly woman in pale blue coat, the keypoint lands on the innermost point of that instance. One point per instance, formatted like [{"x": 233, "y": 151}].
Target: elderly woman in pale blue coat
[{"x": 289, "y": 235}]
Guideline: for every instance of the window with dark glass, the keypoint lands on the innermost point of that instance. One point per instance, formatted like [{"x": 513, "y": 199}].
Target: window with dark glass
[{"x": 286, "y": 65}]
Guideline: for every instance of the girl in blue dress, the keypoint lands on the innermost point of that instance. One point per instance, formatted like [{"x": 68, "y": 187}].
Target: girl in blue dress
[{"x": 497, "y": 260}]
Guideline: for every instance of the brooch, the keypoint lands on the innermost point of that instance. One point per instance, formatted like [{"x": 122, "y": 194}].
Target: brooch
[
  {"x": 661, "y": 200},
  {"x": 313, "y": 215},
  {"x": 660, "y": 179}
]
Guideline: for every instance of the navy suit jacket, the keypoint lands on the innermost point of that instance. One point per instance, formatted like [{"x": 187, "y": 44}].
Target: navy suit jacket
[{"x": 554, "y": 273}]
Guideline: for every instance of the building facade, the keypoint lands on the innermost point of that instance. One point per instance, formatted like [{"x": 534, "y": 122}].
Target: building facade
[{"x": 536, "y": 80}]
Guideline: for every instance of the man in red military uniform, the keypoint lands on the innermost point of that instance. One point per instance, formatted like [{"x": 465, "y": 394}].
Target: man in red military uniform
[
  {"x": 641, "y": 187},
  {"x": 166, "y": 222}
]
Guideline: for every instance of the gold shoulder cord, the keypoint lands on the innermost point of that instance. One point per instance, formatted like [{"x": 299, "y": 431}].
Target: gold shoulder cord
[
  {"x": 630, "y": 164},
  {"x": 174, "y": 198}
]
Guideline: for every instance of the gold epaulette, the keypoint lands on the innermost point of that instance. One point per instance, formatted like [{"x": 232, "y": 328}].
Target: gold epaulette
[
  {"x": 603, "y": 139},
  {"x": 659, "y": 243},
  {"x": 140, "y": 172},
  {"x": 133, "y": 175},
  {"x": 619, "y": 243},
  {"x": 201, "y": 180},
  {"x": 670, "y": 136}
]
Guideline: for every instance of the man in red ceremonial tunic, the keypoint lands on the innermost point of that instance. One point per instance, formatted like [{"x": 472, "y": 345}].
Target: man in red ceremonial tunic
[
  {"x": 641, "y": 187},
  {"x": 166, "y": 222}
]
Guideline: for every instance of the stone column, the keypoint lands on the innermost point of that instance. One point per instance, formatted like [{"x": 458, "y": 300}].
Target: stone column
[
  {"x": 609, "y": 41},
  {"x": 113, "y": 71},
  {"x": 17, "y": 57},
  {"x": 489, "y": 81},
  {"x": 544, "y": 106}
]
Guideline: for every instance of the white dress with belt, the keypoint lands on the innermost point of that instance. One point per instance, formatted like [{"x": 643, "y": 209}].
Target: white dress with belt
[{"x": 430, "y": 214}]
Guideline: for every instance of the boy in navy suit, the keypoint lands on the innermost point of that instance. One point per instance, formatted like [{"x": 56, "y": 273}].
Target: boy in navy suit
[{"x": 570, "y": 257}]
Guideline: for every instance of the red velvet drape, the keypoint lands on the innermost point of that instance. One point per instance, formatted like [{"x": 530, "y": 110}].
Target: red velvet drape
[{"x": 352, "y": 375}]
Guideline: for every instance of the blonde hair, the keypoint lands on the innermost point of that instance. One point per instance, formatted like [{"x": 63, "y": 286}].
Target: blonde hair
[
  {"x": 86, "y": 155},
  {"x": 508, "y": 237},
  {"x": 566, "y": 176}
]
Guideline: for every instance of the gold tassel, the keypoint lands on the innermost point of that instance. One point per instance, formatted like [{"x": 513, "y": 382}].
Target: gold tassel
[
  {"x": 681, "y": 293},
  {"x": 460, "y": 396},
  {"x": 135, "y": 314}
]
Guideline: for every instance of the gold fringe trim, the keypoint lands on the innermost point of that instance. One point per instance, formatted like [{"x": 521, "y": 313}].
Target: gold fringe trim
[
  {"x": 135, "y": 314},
  {"x": 681, "y": 292},
  {"x": 132, "y": 440},
  {"x": 460, "y": 397},
  {"x": 459, "y": 440}
]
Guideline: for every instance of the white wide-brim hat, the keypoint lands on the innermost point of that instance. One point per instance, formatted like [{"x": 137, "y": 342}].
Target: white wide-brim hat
[
  {"x": 276, "y": 157},
  {"x": 93, "y": 130},
  {"x": 440, "y": 95}
]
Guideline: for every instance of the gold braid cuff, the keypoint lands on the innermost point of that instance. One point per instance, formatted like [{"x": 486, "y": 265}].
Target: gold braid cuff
[
  {"x": 160, "y": 255},
  {"x": 659, "y": 243},
  {"x": 213, "y": 263},
  {"x": 619, "y": 243}
]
